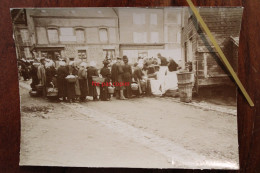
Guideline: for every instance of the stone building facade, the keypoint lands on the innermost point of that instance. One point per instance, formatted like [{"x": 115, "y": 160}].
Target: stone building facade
[
  {"x": 86, "y": 34},
  {"x": 224, "y": 23},
  {"x": 95, "y": 33}
]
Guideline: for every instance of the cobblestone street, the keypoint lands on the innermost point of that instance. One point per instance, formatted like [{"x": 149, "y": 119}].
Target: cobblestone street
[{"x": 154, "y": 132}]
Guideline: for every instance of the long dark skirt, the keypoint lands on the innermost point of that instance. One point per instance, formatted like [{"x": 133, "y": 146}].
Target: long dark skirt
[
  {"x": 71, "y": 91},
  {"x": 62, "y": 87},
  {"x": 128, "y": 90},
  {"x": 83, "y": 84},
  {"x": 92, "y": 89}
]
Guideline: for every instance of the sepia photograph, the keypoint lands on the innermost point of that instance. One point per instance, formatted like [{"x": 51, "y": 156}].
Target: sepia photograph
[{"x": 133, "y": 87}]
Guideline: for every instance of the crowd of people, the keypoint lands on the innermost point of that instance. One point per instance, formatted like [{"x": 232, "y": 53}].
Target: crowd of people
[{"x": 75, "y": 81}]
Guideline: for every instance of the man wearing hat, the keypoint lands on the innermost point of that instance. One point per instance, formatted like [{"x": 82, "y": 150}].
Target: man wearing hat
[
  {"x": 127, "y": 77},
  {"x": 117, "y": 78},
  {"x": 105, "y": 72},
  {"x": 42, "y": 75}
]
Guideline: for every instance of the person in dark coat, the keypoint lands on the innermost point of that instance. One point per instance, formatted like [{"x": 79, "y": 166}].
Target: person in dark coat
[
  {"x": 33, "y": 73},
  {"x": 92, "y": 71},
  {"x": 25, "y": 70},
  {"x": 127, "y": 78},
  {"x": 50, "y": 75},
  {"x": 117, "y": 73},
  {"x": 105, "y": 72},
  {"x": 62, "y": 73},
  {"x": 138, "y": 74},
  {"x": 164, "y": 61},
  {"x": 83, "y": 83},
  {"x": 172, "y": 66},
  {"x": 41, "y": 73},
  {"x": 71, "y": 91}
]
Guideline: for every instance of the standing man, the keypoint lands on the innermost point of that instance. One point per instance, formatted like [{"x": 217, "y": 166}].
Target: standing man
[
  {"x": 117, "y": 78},
  {"x": 83, "y": 83},
  {"x": 164, "y": 61},
  {"x": 92, "y": 71},
  {"x": 42, "y": 76},
  {"x": 127, "y": 78}
]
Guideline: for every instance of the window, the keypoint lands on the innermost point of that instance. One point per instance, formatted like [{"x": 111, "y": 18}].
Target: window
[
  {"x": 53, "y": 35},
  {"x": 153, "y": 19},
  {"x": 154, "y": 37},
  {"x": 24, "y": 35},
  {"x": 44, "y": 54},
  {"x": 103, "y": 35},
  {"x": 140, "y": 37},
  {"x": 139, "y": 19},
  {"x": 27, "y": 52},
  {"x": 172, "y": 34},
  {"x": 143, "y": 55},
  {"x": 41, "y": 34},
  {"x": 82, "y": 54},
  {"x": 109, "y": 53},
  {"x": 80, "y": 36},
  {"x": 67, "y": 34}
]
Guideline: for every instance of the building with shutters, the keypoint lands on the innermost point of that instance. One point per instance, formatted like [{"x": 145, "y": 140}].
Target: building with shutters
[
  {"x": 86, "y": 34},
  {"x": 95, "y": 33}
]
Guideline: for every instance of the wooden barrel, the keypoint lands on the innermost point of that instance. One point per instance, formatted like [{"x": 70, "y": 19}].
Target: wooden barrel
[
  {"x": 184, "y": 77},
  {"x": 185, "y": 92}
]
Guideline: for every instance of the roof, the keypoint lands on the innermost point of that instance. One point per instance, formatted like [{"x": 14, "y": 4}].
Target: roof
[{"x": 73, "y": 12}]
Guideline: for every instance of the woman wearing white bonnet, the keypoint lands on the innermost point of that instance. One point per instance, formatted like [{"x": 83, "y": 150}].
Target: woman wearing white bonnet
[
  {"x": 71, "y": 63},
  {"x": 83, "y": 64},
  {"x": 83, "y": 84},
  {"x": 62, "y": 63},
  {"x": 92, "y": 71}
]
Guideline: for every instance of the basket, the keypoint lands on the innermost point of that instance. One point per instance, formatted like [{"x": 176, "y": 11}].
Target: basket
[
  {"x": 71, "y": 79},
  {"x": 52, "y": 92},
  {"x": 39, "y": 87},
  {"x": 134, "y": 86},
  {"x": 111, "y": 90},
  {"x": 33, "y": 93},
  {"x": 98, "y": 79},
  {"x": 143, "y": 85}
]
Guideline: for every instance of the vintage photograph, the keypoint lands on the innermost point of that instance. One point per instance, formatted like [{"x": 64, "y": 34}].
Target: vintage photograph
[{"x": 127, "y": 87}]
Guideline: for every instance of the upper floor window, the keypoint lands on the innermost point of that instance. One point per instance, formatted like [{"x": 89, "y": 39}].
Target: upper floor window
[
  {"x": 153, "y": 19},
  {"x": 80, "y": 36},
  {"x": 103, "y": 35},
  {"x": 67, "y": 34},
  {"x": 25, "y": 35},
  {"x": 139, "y": 18},
  {"x": 140, "y": 37},
  {"x": 53, "y": 35},
  {"x": 154, "y": 37}
]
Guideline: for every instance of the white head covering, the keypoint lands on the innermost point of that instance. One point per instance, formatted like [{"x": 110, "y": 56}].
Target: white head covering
[
  {"x": 36, "y": 64},
  {"x": 92, "y": 64},
  {"x": 83, "y": 64},
  {"x": 71, "y": 62},
  {"x": 62, "y": 63}
]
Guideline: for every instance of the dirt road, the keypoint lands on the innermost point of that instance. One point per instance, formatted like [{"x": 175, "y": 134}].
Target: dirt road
[{"x": 140, "y": 132}]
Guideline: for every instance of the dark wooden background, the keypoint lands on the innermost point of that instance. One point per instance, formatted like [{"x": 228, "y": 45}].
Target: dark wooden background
[{"x": 248, "y": 72}]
